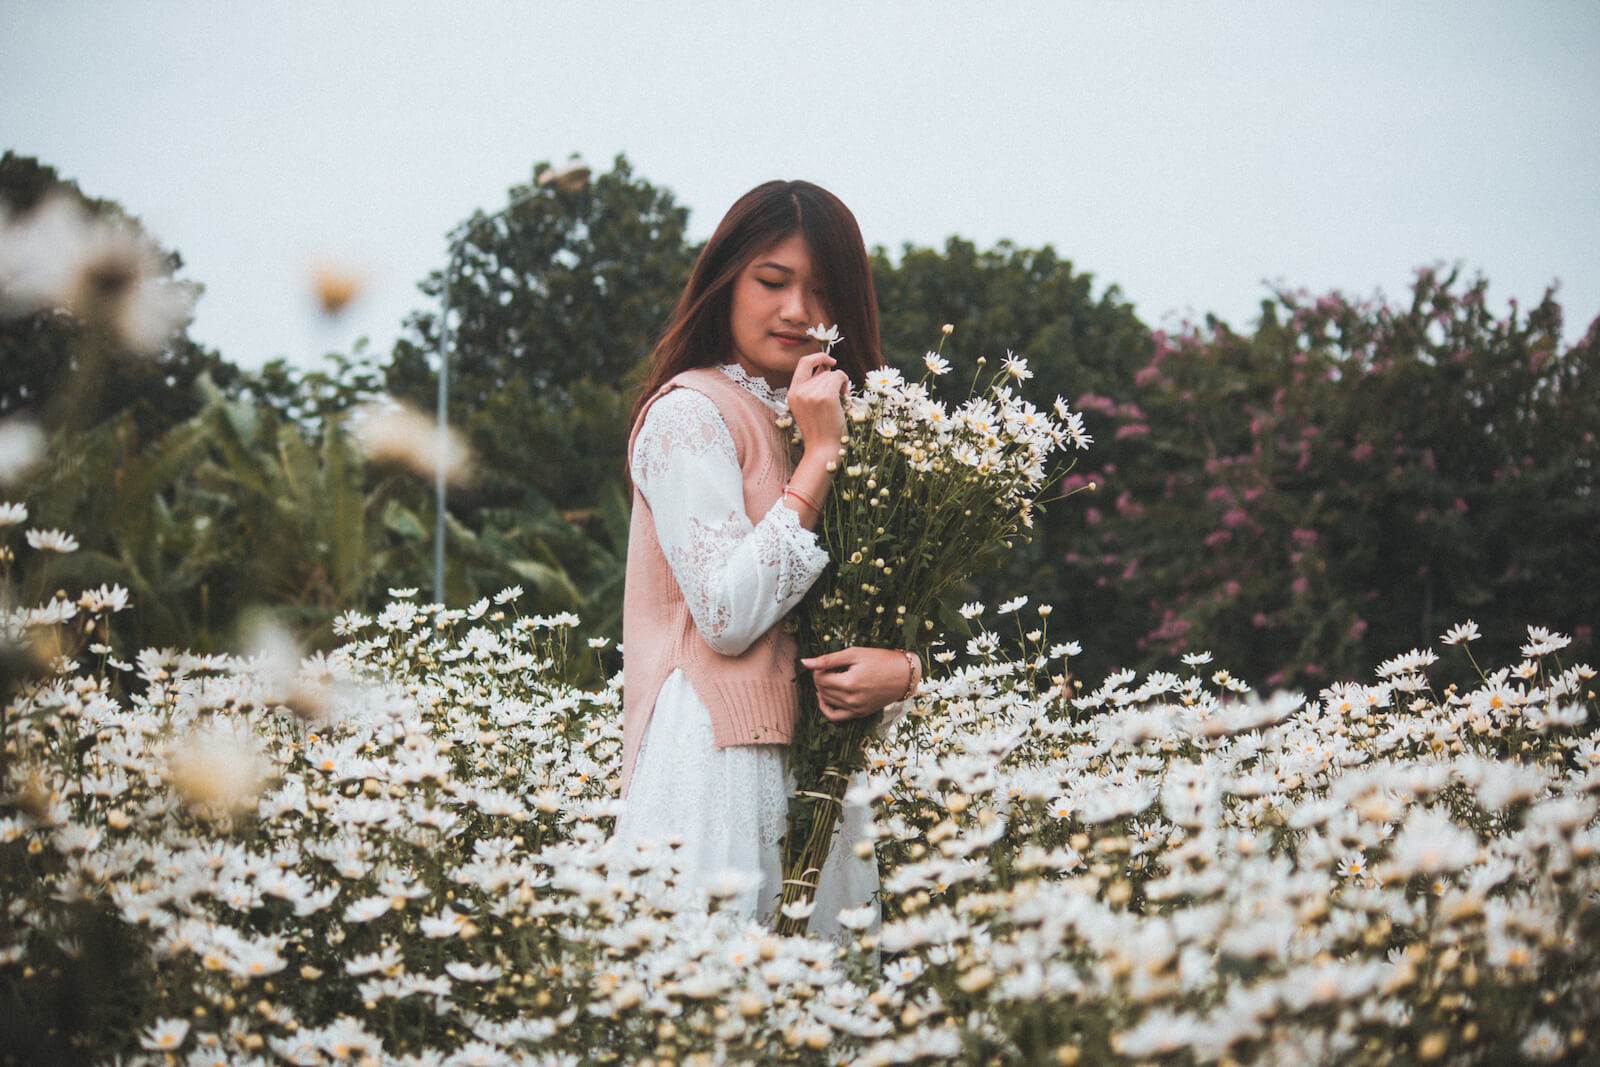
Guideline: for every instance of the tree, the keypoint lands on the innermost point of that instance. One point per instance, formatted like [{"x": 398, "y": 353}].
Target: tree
[
  {"x": 562, "y": 286},
  {"x": 556, "y": 300},
  {"x": 1349, "y": 481}
]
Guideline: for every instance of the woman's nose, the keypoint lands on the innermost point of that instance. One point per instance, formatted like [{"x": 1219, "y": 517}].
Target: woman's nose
[{"x": 796, "y": 305}]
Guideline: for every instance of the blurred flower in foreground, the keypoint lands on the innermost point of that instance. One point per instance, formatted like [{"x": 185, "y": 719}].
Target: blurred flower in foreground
[
  {"x": 567, "y": 180},
  {"x": 21, "y": 447},
  {"x": 336, "y": 287},
  {"x": 401, "y": 436},
  {"x": 308, "y": 694},
  {"x": 104, "y": 271},
  {"x": 218, "y": 769}
]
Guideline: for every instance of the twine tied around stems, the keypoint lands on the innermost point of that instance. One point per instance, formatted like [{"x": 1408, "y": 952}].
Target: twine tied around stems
[{"x": 821, "y": 796}]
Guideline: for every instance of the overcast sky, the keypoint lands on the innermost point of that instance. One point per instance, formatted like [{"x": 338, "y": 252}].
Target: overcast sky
[{"x": 1188, "y": 153}]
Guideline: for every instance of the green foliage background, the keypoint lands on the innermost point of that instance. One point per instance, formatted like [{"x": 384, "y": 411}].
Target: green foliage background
[{"x": 1346, "y": 478}]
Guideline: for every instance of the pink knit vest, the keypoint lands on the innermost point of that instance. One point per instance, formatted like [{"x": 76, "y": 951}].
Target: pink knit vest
[{"x": 752, "y": 697}]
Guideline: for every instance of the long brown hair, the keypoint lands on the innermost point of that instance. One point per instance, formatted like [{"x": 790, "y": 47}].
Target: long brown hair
[{"x": 699, "y": 333}]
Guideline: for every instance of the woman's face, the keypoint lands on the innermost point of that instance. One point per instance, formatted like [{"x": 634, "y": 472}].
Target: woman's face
[{"x": 776, "y": 298}]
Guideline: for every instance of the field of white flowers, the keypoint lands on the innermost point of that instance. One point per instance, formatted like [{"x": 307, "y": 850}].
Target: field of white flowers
[{"x": 394, "y": 855}]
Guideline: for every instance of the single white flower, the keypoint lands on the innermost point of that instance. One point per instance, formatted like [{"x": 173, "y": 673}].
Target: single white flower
[
  {"x": 883, "y": 380},
  {"x": 52, "y": 541},
  {"x": 111, "y": 598},
  {"x": 799, "y": 909},
  {"x": 468, "y": 972},
  {"x": 825, "y": 335},
  {"x": 12, "y": 514},
  {"x": 165, "y": 1035},
  {"x": 374, "y": 962},
  {"x": 858, "y": 918},
  {"x": 1542, "y": 642},
  {"x": 1465, "y": 631},
  {"x": 936, "y": 364}
]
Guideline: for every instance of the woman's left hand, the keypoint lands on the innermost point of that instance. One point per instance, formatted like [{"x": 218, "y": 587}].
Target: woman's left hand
[{"x": 858, "y": 681}]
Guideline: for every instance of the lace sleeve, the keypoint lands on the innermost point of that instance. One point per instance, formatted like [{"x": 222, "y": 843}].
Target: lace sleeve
[{"x": 738, "y": 578}]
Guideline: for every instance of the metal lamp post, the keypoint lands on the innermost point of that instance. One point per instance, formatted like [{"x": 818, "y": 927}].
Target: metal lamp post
[{"x": 570, "y": 179}]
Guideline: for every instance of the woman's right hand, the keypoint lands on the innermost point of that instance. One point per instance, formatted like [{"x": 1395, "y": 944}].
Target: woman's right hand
[{"x": 816, "y": 400}]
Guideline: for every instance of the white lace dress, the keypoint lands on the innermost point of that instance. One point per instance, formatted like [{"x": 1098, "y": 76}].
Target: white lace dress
[{"x": 725, "y": 807}]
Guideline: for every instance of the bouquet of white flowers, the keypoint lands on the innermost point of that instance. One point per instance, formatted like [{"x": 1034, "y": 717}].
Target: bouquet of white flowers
[{"x": 923, "y": 495}]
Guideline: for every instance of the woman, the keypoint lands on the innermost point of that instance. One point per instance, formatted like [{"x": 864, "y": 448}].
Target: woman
[{"x": 721, "y": 549}]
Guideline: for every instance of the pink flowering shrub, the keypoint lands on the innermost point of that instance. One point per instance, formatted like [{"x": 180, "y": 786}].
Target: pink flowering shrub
[{"x": 1342, "y": 481}]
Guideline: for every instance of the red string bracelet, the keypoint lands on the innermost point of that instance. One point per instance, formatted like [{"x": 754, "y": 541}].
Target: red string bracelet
[{"x": 790, "y": 490}]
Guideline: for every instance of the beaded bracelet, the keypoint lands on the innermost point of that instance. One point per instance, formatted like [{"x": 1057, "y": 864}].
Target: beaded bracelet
[{"x": 915, "y": 663}]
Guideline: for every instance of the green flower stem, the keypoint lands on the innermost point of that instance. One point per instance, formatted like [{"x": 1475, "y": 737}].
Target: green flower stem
[{"x": 822, "y": 775}]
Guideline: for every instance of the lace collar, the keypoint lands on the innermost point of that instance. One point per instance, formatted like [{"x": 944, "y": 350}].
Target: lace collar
[{"x": 774, "y": 398}]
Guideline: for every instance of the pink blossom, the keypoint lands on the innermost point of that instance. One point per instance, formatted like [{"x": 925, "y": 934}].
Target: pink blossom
[
  {"x": 1299, "y": 585},
  {"x": 1093, "y": 402},
  {"x": 1132, "y": 429},
  {"x": 1234, "y": 516}
]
